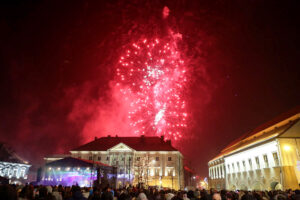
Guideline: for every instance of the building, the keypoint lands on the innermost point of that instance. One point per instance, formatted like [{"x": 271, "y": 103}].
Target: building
[
  {"x": 266, "y": 158},
  {"x": 147, "y": 161},
  {"x": 12, "y": 167},
  {"x": 217, "y": 173},
  {"x": 190, "y": 178}
]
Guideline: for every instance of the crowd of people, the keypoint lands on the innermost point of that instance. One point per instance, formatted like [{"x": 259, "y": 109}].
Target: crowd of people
[{"x": 30, "y": 192}]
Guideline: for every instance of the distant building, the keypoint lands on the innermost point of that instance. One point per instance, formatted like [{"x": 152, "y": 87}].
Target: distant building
[
  {"x": 190, "y": 178},
  {"x": 12, "y": 167},
  {"x": 266, "y": 158},
  {"x": 147, "y": 161}
]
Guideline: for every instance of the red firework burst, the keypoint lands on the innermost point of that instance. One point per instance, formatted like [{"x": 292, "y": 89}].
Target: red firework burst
[{"x": 151, "y": 77}]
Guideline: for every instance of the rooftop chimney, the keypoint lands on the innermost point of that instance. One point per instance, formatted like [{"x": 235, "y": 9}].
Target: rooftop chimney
[
  {"x": 108, "y": 136},
  {"x": 96, "y": 138},
  {"x": 169, "y": 142},
  {"x": 162, "y": 138}
]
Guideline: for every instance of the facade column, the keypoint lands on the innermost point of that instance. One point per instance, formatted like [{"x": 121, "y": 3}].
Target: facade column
[{"x": 214, "y": 168}]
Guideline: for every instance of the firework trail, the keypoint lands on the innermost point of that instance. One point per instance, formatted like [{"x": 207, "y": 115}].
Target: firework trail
[{"x": 151, "y": 76}]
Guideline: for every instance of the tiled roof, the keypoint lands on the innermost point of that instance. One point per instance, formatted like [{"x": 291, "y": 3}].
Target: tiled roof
[
  {"x": 70, "y": 161},
  {"x": 142, "y": 143}
]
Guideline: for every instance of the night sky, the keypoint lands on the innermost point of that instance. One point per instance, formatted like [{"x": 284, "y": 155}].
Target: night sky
[{"x": 57, "y": 61}]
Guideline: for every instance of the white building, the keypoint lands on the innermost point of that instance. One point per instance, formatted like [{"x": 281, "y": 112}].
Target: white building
[
  {"x": 12, "y": 166},
  {"x": 266, "y": 158},
  {"x": 139, "y": 160}
]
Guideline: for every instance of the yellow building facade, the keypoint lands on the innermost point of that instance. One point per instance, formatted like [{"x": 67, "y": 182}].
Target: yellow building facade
[{"x": 267, "y": 158}]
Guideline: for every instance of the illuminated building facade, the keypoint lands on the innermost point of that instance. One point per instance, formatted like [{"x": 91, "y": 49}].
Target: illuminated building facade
[
  {"x": 148, "y": 161},
  {"x": 266, "y": 158},
  {"x": 70, "y": 171},
  {"x": 217, "y": 173},
  {"x": 12, "y": 166}
]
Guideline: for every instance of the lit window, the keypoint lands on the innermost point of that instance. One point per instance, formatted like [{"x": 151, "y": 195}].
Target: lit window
[
  {"x": 266, "y": 161},
  {"x": 250, "y": 163},
  {"x": 221, "y": 169},
  {"x": 238, "y": 165},
  {"x": 257, "y": 162},
  {"x": 276, "y": 160},
  {"x": 244, "y": 165},
  {"x": 156, "y": 172}
]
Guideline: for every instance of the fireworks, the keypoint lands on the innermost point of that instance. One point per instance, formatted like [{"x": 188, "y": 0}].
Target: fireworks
[{"x": 151, "y": 77}]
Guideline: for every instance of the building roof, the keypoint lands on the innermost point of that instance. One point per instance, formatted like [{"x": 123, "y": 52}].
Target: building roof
[
  {"x": 78, "y": 162},
  {"x": 142, "y": 143},
  {"x": 8, "y": 155},
  {"x": 273, "y": 128}
]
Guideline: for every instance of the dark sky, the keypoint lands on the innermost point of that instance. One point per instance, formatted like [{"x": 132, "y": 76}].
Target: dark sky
[{"x": 57, "y": 59}]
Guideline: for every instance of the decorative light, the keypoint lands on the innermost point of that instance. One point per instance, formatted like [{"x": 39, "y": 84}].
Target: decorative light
[{"x": 287, "y": 147}]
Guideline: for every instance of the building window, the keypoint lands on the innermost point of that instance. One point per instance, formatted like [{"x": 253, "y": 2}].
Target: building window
[
  {"x": 228, "y": 166},
  {"x": 276, "y": 160},
  {"x": 123, "y": 159},
  {"x": 129, "y": 159},
  {"x": 107, "y": 158},
  {"x": 90, "y": 158},
  {"x": 250, "y": 163},
  {"x": 238, "y": 165},
  {"x": 156, "y": 172},
  {"x": 233, "y": 170},
  {"x": 257, "y": 162},
  {"x": 221, "y": 169},
  {"x": 121, "y": 171},
  {"x": 79, "y": 157},
  {"x": 244, "y": 165},
  {"x": 99, "y": 157},
  {"x": 266, "y": 161},
  {"x": 169, "y": 158},
  {"x": 157, "y": 158},
  {"x": 138, "y": 158}
]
